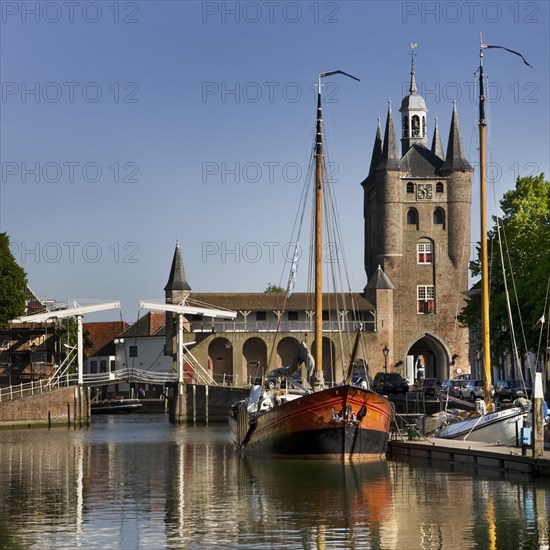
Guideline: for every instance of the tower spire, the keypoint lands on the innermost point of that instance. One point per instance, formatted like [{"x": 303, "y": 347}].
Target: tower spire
[
  {"x": 413, "y": 114},
  {"x": 455, "y": 160},
  {"x": 412, "y": 87},
  {"x": 437, "y": 146},
  {"x": 177, "y": 279},
  {"x": 376, "y": 152},
  {"x": 390, "y": 156}
]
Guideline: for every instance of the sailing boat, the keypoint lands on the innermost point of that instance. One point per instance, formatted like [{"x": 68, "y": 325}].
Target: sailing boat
[
  {"x": 344, "y": 421},
  {"x": 487, "y": 426}
]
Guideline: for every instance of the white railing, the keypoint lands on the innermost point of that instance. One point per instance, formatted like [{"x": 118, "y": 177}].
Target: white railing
[
  {"x": 273, "y": 326},
  {"x": 63, "y": 378}
]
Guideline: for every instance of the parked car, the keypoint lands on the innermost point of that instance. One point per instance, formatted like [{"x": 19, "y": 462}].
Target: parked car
[
  {"x": 390, "y": 382},
  {"x": 455, "y": 389},
  {"x": 428, "y": 386},
  {"x": 472, "y": 390},
  {"x": 508, "y": 390},
  {"x": 276, "y": 379}
]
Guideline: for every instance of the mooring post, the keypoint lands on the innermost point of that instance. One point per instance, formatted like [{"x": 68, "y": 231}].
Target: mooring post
[
  {"x": 538, "y": 418},
  {"x": 206, "y": 404},
  {"x": 194, "y": 404}
]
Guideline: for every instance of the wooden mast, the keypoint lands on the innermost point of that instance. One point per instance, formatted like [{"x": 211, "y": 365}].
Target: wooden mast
[
  {"x": 318, "y": 332},
  {"x": 483, "y": 238}
]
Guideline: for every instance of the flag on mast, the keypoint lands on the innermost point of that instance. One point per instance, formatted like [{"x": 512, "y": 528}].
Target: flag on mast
[
  {"x": 487, "y": 46},
  {"x": 293, "y": 271}
]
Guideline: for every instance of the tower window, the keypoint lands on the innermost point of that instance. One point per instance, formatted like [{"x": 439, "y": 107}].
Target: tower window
[
  {"x": 405, "y": 126},
  {"x": 439, "y": 187},
  {"x": 133, "y": 351},
  {"x": 439, "y": 217},
  {"x": 412, "y": 217},
  {"x": 424, "y": 253},
  {"x": 425, "y": 296},
  {"x": 415, "y": 126},
  {"x": 410, "y": 187},
  {"x": 423, "y": 126}
]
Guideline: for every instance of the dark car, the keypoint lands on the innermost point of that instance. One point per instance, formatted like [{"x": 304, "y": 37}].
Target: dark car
[
  {"x": 508, "y": 390},
  {"x": 428, "y": 386},
  {"x": 390, "y": 382}
]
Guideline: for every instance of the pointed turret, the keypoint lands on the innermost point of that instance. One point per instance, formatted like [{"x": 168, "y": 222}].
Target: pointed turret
[
  {"x": 437, "y": 146},
  {"x": 455, "y": 159},
  {"x": 390, "y": 155},
  {"x": 177, "y": 279},
  {"x": 379, "y": 281},
  {"x": 376, "y": 153}
]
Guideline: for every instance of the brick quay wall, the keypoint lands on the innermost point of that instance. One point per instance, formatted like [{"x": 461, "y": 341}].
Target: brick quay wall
[{"x": 61, "y": 407}]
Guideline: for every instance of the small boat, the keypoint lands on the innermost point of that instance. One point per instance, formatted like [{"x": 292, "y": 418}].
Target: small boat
[
  {"x": 116, "y": 406},
  {"x": 343, "y": 421}
]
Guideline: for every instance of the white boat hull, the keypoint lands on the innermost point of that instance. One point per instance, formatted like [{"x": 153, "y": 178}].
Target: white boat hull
[{"x": 501, "y": 427}]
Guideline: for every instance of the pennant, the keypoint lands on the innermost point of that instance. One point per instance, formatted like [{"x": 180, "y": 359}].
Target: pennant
[
  {"x": 293, "y": 271},
  {"x": 487, "y": 46}
]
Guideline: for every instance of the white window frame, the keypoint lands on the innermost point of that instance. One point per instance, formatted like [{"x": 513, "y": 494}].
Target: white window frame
[
  {"x": 425, "y": 296},
  {"x": 424, "y": 250}
]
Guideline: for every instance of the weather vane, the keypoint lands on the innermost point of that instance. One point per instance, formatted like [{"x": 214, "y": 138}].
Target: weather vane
[{"x": 413, "y": 47}]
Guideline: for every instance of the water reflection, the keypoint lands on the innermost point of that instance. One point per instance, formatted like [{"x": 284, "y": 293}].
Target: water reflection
[{"x": 138, "y": 482}]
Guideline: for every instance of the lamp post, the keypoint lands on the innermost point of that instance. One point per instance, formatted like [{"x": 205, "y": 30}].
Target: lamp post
[{"x": 385, "y": 351}]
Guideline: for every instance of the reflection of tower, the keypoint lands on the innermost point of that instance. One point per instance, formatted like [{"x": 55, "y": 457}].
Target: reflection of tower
[{"x": 176, "y": 291}]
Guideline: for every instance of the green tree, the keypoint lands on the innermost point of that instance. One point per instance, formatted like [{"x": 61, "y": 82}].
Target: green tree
[
  {"x": 13, "y": 283},
  {"x": 523, "y": 233},
  {"x": 275, "y": 289}
]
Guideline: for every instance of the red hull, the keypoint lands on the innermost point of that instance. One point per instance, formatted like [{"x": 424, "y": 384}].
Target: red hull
[{"x": 344, "y": 421}]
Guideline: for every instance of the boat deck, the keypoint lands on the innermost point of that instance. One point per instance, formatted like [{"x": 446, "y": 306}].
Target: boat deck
[{"x": 474, "y": 454}]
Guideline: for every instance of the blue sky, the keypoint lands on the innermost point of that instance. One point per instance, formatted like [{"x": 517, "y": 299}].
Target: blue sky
[{"x": 127, "y": 125}]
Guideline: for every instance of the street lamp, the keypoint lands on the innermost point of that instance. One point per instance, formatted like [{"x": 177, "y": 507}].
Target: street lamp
[{"x": 385, "y": 351}]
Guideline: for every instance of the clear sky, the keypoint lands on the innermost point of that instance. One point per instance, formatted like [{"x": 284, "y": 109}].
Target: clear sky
[{"x": 128, "y": 125}]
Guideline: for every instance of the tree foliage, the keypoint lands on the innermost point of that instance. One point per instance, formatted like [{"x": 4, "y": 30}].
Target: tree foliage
[
  {"x": 13, "y": 283},
  {"x": 523, "y": 235},
  {"x": 275, "y": 289}
]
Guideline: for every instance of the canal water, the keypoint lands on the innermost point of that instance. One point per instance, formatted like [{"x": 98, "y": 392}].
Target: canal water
[{"x": 139, "y": 482}]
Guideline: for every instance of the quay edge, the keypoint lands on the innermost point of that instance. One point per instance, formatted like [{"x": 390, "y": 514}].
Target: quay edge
[{"x": 473, "y": 454}]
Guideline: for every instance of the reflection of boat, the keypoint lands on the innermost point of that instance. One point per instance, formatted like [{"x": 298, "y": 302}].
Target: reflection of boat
[
  {"x": 485, "y": 426},
  {"x": 342, "y": 421},
  {"x": 337, "y": 492},
  {"x": 115, "y": 406}
]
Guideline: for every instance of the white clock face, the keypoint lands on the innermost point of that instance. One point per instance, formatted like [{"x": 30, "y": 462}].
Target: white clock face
[{"x": 424, "y": 191}]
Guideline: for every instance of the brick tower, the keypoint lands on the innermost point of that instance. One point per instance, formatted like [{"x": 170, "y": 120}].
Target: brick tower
[{"x": 417, "y": 231}]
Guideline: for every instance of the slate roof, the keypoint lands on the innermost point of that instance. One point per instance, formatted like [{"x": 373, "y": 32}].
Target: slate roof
[
  {"x": 379, "y": 281},
  {"x": 419, "y": 161}
]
